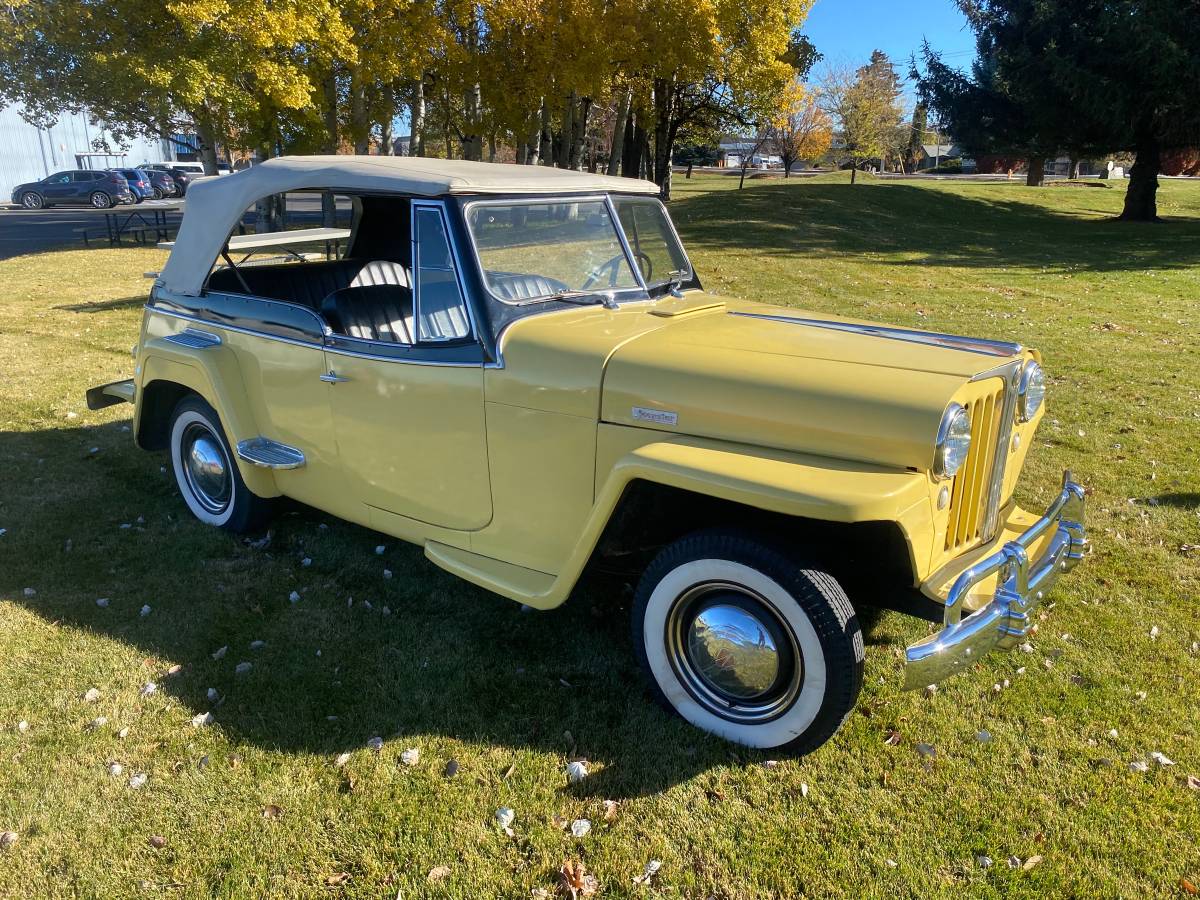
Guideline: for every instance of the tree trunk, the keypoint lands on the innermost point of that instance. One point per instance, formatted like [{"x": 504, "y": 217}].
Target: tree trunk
[
  {"x": 618, "y": 140},
  {"x": 416, "y": 137},
  {"x": 566, "y": 134},
  {"x": 546, "y": 137},
  {"x": 664, "y": 131},
  {"x": 472, "y": 141},
  {"x": 207, "y": 139},
  {"x": 688, "y": 175},
  {"x": 629, "y": 149},
  {"x": 853, "y": 172},
  {"x": 578, "y": 134},
  {"x": 1074, "y": 170},
  {"x": 1037, "y": 172},
  {"x": 742, "y": 179},
  {"x": 360, "y": 128},
  {"x": 1141, "y": 197},
  {"x": 386, "y": 145}
]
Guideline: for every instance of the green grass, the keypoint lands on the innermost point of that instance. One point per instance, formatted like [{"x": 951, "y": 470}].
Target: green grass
[{"x": 464, "y": 675}]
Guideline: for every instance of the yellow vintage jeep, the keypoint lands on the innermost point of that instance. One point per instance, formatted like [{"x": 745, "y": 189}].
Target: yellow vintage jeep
[{"x": 517, "y": 369}]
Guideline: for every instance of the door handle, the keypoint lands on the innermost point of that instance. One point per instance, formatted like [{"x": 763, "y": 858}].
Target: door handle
[{"x": 332, "y": 378}]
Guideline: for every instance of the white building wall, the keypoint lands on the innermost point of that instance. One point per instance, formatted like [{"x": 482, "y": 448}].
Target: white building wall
[{"x": 28, "y": 153}]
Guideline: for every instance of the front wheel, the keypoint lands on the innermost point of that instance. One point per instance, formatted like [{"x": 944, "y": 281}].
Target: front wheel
[
  {"x": 742, "y": 641},
  {"x": 158, "y": 194},
  {"x": 32, "y": 200},
  {"x": 207, "y": 474},
  {"x": 101, "y": 200}
]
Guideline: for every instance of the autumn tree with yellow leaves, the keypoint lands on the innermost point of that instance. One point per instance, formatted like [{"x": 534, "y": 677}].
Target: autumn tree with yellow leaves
[{"x": 801, "y": 129}]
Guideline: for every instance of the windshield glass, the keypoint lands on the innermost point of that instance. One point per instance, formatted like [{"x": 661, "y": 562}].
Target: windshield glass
[
  {"x": 652, "y": 240},
  {"x": 531, "y": 251}
]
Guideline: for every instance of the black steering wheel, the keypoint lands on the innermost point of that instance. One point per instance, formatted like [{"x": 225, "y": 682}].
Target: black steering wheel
[{"x": 613, "y": 266}]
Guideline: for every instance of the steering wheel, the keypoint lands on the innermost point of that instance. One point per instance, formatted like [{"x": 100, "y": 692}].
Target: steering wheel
[{"x": 613, "y": 266}]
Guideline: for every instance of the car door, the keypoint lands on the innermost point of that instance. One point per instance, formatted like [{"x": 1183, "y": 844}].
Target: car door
[
  {"x": 82, "y": 185},
  {"x": 409, "y": 415},
  {"x": 58, "y": 187}
]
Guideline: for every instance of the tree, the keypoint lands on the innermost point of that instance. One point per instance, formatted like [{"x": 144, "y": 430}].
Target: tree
[
  {"x": 802, "y": 129},
  {"x": 864, "y": 106},
  {"x": 1091, "y": 75}
]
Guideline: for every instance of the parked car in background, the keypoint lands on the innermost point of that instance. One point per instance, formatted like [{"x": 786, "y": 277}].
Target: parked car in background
[
  {"x": 76, "y": 187},
  {"x": 162, "y": 183},
  {"x": 518, "y": 369},
  {"x": 181, "y": 177},
  {"x": 139, "y": 183}
]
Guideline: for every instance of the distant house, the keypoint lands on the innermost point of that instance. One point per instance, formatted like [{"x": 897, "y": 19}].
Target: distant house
[
  {"x": 930, "y": 156},
  {"x": 731, "y": 153}
]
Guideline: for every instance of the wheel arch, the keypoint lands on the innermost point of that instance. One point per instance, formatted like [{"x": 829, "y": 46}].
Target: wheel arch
[{"x": 165, "y": 380}]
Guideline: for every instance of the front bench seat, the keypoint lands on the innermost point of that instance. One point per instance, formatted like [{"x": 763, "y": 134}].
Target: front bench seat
[{"x": 372, "y": 312}]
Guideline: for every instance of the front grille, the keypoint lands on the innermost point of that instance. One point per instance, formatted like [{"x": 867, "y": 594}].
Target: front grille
[{"x": 973, "y": 499}]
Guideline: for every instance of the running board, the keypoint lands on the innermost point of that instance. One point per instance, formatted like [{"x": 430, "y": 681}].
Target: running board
[{"x": 269, "y": 454}]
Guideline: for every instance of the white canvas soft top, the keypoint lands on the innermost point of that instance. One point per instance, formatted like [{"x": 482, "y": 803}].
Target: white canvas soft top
[{"x": 214, "y": 205}]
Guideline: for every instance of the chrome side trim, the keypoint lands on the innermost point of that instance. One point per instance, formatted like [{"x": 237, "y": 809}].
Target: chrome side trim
[
  {"x": 1006, "y": 619},
  {"x": 194, "y": 339},
  {"x": 268, "y": 454},
  {"x": 928, "y": 338},
  {"x": 160, "y": 311}
]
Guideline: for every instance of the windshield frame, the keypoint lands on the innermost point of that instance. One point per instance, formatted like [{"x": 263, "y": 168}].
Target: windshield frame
[
  {"x": 639, "y": 292},
  {"x": 690, "y": 276}
]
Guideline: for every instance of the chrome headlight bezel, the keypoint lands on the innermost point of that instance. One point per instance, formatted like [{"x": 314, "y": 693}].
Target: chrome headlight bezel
[
  {"x": 1032, "y": 376},
  {"x": 953, "y": 443}
]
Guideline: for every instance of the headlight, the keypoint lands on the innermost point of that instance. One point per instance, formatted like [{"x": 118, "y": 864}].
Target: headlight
[
  {"x": 1031, "y": 392},
  {"x": 953, "y": 442}
]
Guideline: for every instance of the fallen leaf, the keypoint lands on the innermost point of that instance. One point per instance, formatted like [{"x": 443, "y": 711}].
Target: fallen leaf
[
  {"x": 577, "y": 771},
  {"x": 294, "y": 597},
  {"x": 115, "y": 769},
  {"x": 202, "y": 720},
  {"x": 257, "y": 645},
  {"x": 1161, "y": 759},
  {"x": 1193, "y": 782},
  {"x": 220, "y": 652},
  {"x": 437, "y": 873},
  {"x": 510, "y": 771},
  {"x": 7, "y": 839},
  {"x": 505, "y": 816},
  {"x": 1031, "y": 862},
  {"x": 342, "y": 759},
  {"x": 985, "y": 862},
  {"x": 212, "y": 695},
  {"x": 451, "y": 768},
  {"x": 927, "y": 750},
  {"x": 92, "y": 695},
  {"x": 891, "y": 863},
  {"x": 576, "y": 881},
  {"x": 271, "y": 811},
  {"x": 1014, "y": 862},
  {"x": 375, "y": 743},
  {"x": 983, "y": 736},
  {"x": 102, "y": 602},
  {"x": 580, "y": 828},
  {"x": 243, "y": 667},
  {"x": 611, "y": 806},
  {"x": 1138, "y": 766},
  {"x": 337, "y": 878},
  {"x": 144, "y": 611},
  {"x": 411, "y": 756},
  {"x": 649, "y": 872},
  {"x": 157, "y": 841},
  {"x": 138, "y": 780},
  {"x": 560, "y": 822},
  {"x": 803, "y": 789},
  {"x": 22, "y": 726},
  {"x": 1188, "y": 887},
  {"x": 893, "y": 738}
]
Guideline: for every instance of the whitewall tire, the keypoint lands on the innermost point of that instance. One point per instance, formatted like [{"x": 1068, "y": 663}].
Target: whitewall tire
[
  {"x": 744, "y": 642},
  {"x": 206, "y": 471}
]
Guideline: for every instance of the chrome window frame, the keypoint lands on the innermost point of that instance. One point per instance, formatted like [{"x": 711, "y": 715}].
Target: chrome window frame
[
  {"x": 544, "y": 199},
  {"x": 691, "y": 269},
  {"x": 415, "y": 206}
]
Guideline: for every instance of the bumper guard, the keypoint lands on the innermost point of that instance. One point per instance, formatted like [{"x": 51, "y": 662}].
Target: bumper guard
[{"x": 1005, "y": 620}]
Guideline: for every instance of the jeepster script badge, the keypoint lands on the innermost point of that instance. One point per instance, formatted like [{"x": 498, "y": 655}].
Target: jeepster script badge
[{"x": 657, "y": 416}]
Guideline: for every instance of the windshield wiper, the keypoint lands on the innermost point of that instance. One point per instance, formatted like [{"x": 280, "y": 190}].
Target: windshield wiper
[{"x": 584, "y": 298}]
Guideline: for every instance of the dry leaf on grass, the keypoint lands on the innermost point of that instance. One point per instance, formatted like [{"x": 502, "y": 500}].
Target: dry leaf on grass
[
  {"x": 580, "y": 828},
  {"x": 649, "y": 872},
  {"x": 157, "y": 841},
  {"x": 341, "y": 760},
  {"x": 1031, "y": 862},
  {"x": 451, "y": 768},
  {"x": 437, "y": 873},
  {"x": 220, "y": 652},
  {"x": 927, "y": 750},
  {"x": 610, "y": 810},
  {"x": 22, "y": 726},
  {"x": 1193, "y": 782},
  {"x": 202, "y": 720},
  {"x": 411, "y": 756},
  {"x": 115, "y": 769},
  {"x": 510, "y": 771},
  {"x": 7, "y": 839},
  {"x": 336, "y": 879},
  {"x": 505, "y": 816},
  {"x": 138, "y": 780},
  {"x": 1188, "y": 887},
  {"x": 575, "y": 880},
  {"x": 91, "y": 695},
  {"x": 577, "y": 771},
  {"x": 1161, "y": 759},
  {"x": 892, "y": 738},
  {"x": 375, "y": 743},
  {"x": 271, "y": 811}
]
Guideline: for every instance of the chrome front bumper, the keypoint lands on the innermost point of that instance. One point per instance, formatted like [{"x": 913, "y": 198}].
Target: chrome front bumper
[{"x": 1022, "y": 583}]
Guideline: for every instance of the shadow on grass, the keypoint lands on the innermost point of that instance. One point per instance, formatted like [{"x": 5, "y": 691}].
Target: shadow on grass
[
  {"x": 990, "y": 226},
  {"x": 419, "y": 654},
  {"x": 99, "y": 306}
]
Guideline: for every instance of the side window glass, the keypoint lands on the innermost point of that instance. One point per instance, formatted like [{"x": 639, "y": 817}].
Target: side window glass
[
  {"x": 82, "y": 176},
  {"x": 60, "y": 179},
  {"x": 441, "y": 310}
]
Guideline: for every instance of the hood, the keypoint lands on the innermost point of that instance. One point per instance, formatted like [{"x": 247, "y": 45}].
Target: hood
[{"x": 794, "y": 380}]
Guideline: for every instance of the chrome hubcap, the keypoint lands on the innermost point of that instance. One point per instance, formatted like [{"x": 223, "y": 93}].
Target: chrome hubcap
[
  {"x": 734, "y": 652},
  {"x": 206, "y": 468}
]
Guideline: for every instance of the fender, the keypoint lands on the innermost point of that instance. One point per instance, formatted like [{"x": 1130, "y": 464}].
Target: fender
[
  {"x": 211, "y": 372},
  {"x": 793, "y": 484}
]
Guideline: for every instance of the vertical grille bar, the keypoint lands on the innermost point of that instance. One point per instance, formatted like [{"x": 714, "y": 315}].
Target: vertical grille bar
[{"x": 971, "y": 489}]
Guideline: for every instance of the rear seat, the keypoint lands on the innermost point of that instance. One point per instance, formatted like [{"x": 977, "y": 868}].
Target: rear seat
[{"x": 310, "y": 283}]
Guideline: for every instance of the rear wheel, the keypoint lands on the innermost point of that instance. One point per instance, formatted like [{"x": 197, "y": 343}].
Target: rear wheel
[
  {"x": 32, "y": 200},
  {"x": 206, "y": 472},
  {"x": 746, "y": 643},
  {"x": 158, "y": 194},
  {"x": 101, "y": 200}
]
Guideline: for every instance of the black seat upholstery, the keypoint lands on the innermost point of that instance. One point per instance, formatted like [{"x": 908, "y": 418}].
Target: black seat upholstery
[
  {"x": 373, "y": 312},
  {"x": 513, "y": 286},
  {"x": 309, "y": 283}
]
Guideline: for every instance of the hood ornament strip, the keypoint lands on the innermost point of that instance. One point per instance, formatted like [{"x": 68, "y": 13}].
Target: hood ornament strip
[{"x": 929, "y": 338}]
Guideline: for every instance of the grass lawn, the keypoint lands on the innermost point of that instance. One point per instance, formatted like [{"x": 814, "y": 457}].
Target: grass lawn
[{"x": 254, "y": 804}]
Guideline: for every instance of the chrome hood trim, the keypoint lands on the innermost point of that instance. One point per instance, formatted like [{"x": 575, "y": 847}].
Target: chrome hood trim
[{"x": 930, "y": 338}]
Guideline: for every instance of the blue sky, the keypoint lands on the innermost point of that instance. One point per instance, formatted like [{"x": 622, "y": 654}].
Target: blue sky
[{"x": 846, "y": 31}]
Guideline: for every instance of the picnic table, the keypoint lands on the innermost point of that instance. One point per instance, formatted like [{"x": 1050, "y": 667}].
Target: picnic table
[
  {"x": 248, "y": 243},
  {"x": 121, "y": 221}
]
